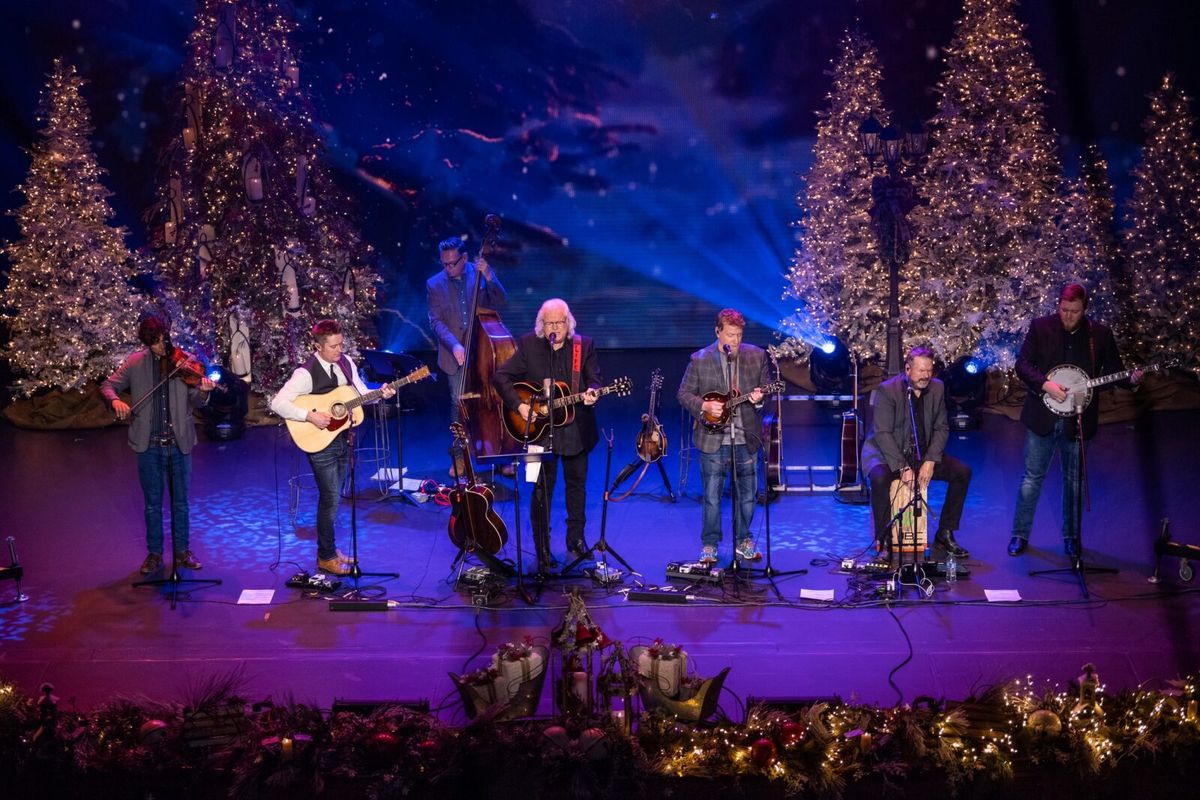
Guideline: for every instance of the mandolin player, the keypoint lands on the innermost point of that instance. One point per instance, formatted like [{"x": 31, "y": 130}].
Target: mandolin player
[{"x": 722, "y": 369}]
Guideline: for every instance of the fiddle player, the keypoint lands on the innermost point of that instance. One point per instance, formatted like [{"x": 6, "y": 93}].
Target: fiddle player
[
  {"x": 162, "y": 434},
  {"x": 324, "y": 371},
  {"x": 725, "y": 366},
  {"x": 556, "y": 351},
  {"x": 450, "y": 296}
]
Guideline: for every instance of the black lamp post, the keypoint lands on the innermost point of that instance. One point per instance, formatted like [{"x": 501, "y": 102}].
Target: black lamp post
[{"x": 893, "y": 197}]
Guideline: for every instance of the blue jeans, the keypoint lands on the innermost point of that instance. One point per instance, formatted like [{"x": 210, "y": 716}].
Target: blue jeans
[
  {"x": 153, "y": 475},
  {"x": 1038, "y": 452},
  {"x": 330, "y": 467},
  {"x": 714, "y": 469}
]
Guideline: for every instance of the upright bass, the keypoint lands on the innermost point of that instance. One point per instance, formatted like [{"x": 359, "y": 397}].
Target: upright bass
[{"x": 489, "y": 344}]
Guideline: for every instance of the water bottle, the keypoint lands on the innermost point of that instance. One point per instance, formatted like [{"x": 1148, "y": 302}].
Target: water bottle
[{"x": 951, "y": 569}]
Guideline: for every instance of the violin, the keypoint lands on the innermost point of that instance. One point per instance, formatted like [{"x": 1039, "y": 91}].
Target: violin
[{"x": 180, "y": 364}]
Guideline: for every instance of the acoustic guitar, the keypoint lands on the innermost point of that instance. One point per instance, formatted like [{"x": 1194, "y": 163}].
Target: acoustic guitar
[
  {"x": 651, "y": 441},
  {"x": 344, "y": 404},
  {"x": 562, "y": 407},
  {"x": 474, "y": 524},
  {"x": 717, "y": 422}
]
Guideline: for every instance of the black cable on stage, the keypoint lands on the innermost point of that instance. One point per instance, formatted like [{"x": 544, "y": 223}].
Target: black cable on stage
[{"x": 901, "y": 665}]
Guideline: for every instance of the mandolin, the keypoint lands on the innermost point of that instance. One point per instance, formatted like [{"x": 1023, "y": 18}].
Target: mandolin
[
  {"x": 651, "y": 441},
  {"x": 474, "y": 524},
  {"x": 562, "y": 405},
  {"x": 716, "y": 422}
]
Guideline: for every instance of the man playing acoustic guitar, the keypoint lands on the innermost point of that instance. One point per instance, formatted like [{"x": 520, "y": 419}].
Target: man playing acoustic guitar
[
  {"x": 327, "y": 369},
  {"x": 554, "y": 351}
]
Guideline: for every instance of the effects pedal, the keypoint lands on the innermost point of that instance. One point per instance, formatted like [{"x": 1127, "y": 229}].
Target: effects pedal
[
  {"x": 604, "y": 574},
  {"x": 694, "y": 572},
  {"x": 319, "y": 582}
]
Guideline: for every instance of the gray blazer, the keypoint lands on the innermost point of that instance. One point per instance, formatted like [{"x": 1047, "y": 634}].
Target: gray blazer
[
  {"x": 444, "y": 316},
  {"x": 890, "y": 438},
  {"x": 706, "y": 373},
  {"x": 138, "y": 373}
]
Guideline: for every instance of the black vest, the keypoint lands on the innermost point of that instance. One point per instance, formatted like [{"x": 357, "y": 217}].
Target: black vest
[{"x": 322, "y": 382}]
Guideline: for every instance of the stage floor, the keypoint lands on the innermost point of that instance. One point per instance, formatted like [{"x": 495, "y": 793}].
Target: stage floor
[{"x": 72, "y": 504}]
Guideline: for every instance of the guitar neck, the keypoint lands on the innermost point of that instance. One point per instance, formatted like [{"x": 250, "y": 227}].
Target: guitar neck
[
  {"x": 1116, "y": 376},
  {"x": 375, "y": 394},
  {"x": 572, "y": 399}
]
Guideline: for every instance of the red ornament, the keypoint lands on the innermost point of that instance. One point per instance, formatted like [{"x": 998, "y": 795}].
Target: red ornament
[
  {"x": 762, "y": 753},
  {"x": 428, "y": 748},
  {"x": 791, "y": 732},
  {"x": 584, "y": 634},
  {"x": 381, "y": 747}
]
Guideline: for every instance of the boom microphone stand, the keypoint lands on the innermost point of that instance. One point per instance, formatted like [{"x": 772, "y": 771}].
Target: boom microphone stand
[
  {"x": 911, "y": 574},
  {"x": 1077, "y": 568},
  {"x": 602, "y": 546}
]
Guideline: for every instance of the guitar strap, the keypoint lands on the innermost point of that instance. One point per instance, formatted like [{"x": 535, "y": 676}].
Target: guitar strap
[
  {"x": 576, "y": 364},
  {"x": 1092, "y": 349}
]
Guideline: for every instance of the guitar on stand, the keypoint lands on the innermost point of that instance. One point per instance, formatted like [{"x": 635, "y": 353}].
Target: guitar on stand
[
  {"x": 562, "y": 407},
  {"x": 651, "y": 445},
  {"x": 849, "y": 476},
  {"x": 344, "y": 404},
  {"x": 474, "y": 527}
]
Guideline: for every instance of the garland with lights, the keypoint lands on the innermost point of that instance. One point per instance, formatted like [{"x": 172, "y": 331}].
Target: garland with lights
[{"x": 1012, "y": 736}]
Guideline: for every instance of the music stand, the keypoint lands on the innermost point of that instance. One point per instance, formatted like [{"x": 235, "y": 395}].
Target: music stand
[
  {"x": 1078, "y": 568},
  {"x": 516, "y": 460},
  {"x": 382, "y": 366}
]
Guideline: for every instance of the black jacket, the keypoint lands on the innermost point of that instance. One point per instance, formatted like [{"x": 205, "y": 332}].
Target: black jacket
[
  {"x": 1042, "y": 351},
  {"x": 533, "y": 361}
]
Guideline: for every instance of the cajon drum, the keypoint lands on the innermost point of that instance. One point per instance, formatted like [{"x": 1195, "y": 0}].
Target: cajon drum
[{"x": 902, "y": 530}]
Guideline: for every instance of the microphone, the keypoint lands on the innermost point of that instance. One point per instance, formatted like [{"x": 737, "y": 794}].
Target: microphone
[
  {"x": 725, "y": 347},
  {"x": 546, "y": 382},
  {"x": 552, "y": 338}
]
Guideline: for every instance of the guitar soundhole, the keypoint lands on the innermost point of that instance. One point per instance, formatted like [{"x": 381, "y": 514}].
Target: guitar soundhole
[{"x": 338, "y": 411}]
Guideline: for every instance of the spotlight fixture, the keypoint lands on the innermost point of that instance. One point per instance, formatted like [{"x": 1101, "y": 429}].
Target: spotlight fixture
[
  {"x": 966, "y": 392},
  {"x": 829, "y": 366}
]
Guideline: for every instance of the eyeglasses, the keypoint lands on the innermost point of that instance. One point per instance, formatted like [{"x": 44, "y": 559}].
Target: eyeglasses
[
  {"x": 455, "y": 262},
  {"x": 562, "y": 323}
]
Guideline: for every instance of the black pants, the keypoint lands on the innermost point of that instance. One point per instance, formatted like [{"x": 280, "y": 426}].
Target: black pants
[
  {"x": 955, "y": 473},
  {"x": 575, "y": 469}
]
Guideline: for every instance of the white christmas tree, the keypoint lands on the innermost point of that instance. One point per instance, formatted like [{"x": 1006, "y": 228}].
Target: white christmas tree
[
  {"x": 67, "y": 303},
  {"x": 986, "y": 247},
  {"x": 837, "y": 275},
  {"x": 1163, "y": 237},
  {"x": 255, "y": 240},
  {"x": 1091, "y": 254}
]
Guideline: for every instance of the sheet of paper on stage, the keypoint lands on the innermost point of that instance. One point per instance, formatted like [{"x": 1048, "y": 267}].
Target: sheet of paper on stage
[
  {"x": 1002, "y": 595},
  {"x": 533, "y": 468},
  {"x": 817, "y": 594},
  {"x": 256, "y": 597}
]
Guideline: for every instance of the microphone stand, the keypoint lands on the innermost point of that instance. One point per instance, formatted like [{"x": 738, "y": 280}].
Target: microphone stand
[
  {"x": 1077, "y": 568},
  {"x": 914, "y": 573},
  {"x": 734, "y": 494}
]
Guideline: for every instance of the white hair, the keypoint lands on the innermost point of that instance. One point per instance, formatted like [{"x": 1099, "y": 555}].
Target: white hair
[{"x": 554, "y": 303}]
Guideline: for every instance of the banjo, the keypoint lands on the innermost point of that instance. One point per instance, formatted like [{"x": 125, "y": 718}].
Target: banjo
[{"x": 1079, "y": 386}]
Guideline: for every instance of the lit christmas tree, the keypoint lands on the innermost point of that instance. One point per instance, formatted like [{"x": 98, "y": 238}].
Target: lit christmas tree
[
  {"x": 985, "y": 246},
  {"x": 254, "y": 238},
  {"x": 67, "y": 303},
  {"x": 837, "y": 275},
  {"x": 1091, "y": 252},
  {"x": 1163, "y": 237}
]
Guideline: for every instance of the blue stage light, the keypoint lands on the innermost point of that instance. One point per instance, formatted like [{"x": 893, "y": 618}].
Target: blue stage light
[
  {"x": 972, "y": 366},
  {"x": 828, "y": 346}
]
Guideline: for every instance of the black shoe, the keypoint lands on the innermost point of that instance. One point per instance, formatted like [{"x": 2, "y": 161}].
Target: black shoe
[
  {"x": 547, "y": 562},
  {"x": 577, "y": 551},
  {"x": 1071, "y": 548},
  {"x": 883, "y": 551},
  {"x": 946, "y": 541},
  {"x": 1017, "y": 545}
]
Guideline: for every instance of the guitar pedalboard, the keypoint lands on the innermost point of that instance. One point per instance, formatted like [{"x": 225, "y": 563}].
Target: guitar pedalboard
[
  {"x": 694, "y": 572},
  {"x": 320, "y": 582}
]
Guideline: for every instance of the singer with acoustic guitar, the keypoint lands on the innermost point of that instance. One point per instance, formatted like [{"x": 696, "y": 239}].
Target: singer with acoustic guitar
[
  {"x": 553, "y": 356},
  {"x": 724, "y": 388},
  {"x": 327, "y": 369}
]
